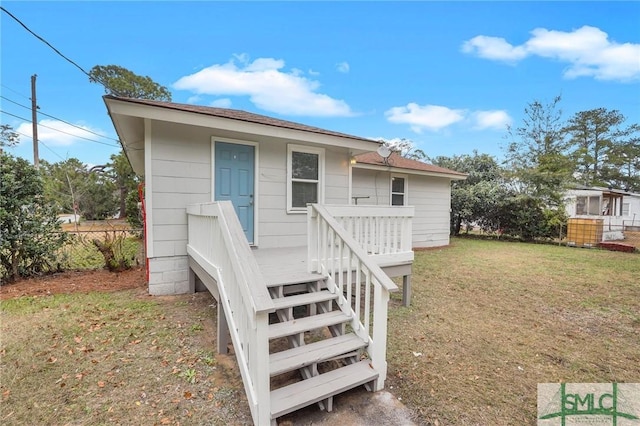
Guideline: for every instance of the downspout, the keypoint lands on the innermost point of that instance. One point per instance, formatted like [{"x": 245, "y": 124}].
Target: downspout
[{"x": 144, "y": 227}]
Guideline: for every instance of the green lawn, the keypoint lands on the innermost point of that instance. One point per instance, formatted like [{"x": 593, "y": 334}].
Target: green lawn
[
  {"x": 490, "y": 320},
  {"x": 115, "y": 358}
]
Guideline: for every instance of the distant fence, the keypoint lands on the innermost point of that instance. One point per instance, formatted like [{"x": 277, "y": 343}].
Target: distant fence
[{"x": 81, "y": 252}]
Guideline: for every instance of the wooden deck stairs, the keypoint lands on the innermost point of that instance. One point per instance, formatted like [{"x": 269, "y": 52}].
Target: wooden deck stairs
[
  {"x": 315, "y": 328},
  {"x": 308, "y": 335}
]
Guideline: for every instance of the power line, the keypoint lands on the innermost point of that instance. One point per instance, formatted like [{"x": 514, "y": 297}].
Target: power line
[
  {"x": 59, "y": 119},
  {"x": 57, "y": 51},
  {"x": 61, "y": 131},
  {"x": 43, "y": 40},
  {"x": 16, "y": 92},
  {"x": 51, "y": 150},
  {"x": 43, "y": 144}
]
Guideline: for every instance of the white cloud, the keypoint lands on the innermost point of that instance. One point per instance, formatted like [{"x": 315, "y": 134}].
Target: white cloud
[
  {"x": 194, "y": 99},
  {"x": 496, "y": 119},
  {"x": 436, "y": 117},
  {"x": 343, "y": 67},
  {"x": 420, "y": 117},
  {"x": 587, "y": 50},
  {"x": 57, "y": 133},
  {"x": 268, "y": 86},
  {"x": 221, "y": 103},
  {"x": 494, "y": 48}
]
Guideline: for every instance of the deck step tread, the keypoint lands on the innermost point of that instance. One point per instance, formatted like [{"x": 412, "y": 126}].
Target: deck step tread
[
  {"x": 292, "y": 359},
  {"x": 301, "y": 325},
  {"x": 292, "y": 278},
  {"x": 304, "y": 299},
  {"x": 306, "y": 392}
]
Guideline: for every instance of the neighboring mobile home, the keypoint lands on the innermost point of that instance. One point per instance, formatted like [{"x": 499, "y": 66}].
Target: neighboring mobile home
[
  {"x": 296, "y": 232},
  {"x": 613, "y": 211},
  {"x": 618, "y": 206}
]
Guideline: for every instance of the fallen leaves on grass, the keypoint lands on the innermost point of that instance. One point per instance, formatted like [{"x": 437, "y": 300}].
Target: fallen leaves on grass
[{"x": 95, "y": 355}]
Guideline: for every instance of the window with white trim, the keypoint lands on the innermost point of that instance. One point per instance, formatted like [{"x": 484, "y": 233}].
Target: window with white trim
[
  {"x": 398, "y": 190},
  {"x": 588, "y": 206},
  {"x": 305, "y": 177},
  {"x": 625, "y": 209}
]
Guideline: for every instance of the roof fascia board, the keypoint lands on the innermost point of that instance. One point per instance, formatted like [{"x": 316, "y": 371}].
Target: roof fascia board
[
  {"x": 408, "y": 171},
  {"x": 191, "y": 118}
]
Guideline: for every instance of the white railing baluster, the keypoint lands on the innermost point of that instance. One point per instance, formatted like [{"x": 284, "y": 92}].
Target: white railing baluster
[
  {"x": 349, "y": 272},
  {"x": 358, "y": 292},
  {"x": 356, "y": 236},
  {"x": 367, "y": 303},
  {"x": 340, "y": 269}
]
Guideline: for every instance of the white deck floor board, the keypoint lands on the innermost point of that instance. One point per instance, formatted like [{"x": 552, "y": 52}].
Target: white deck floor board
[{"x": 284, "y": 265}]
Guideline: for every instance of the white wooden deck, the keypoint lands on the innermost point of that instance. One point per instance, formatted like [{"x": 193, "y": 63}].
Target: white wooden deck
[
  {"x": 284, "y": 265},
  {"x": 356, "y": 255},
  {"x": 281, "y": 266}
]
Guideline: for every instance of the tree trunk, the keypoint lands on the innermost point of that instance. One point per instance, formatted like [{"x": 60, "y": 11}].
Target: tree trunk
[
  {"x": 123, "y": 202},
  {"x": 15, "y": 262},
  {"x": 457, "y": 224},
  {"x": 110, "y": 261}
]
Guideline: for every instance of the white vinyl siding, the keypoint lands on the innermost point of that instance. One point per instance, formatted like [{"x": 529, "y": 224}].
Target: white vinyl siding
[
  {"x": 431, "y": 198},
  {"x": 370, "y": 187},
  {"x": 180, "y": 176}
]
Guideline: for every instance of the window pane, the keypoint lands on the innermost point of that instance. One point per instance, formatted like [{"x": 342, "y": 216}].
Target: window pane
[
  {"x": 397, "y": 200},
  {"x": 581, "y": 205},
  {"x": 594, "y": 206},
  {"x": 304, "y": 165},
  {"x": 303, "y": 193},
  {"x": 625, "y": 209},
  {"x": 397, "y": 185}
]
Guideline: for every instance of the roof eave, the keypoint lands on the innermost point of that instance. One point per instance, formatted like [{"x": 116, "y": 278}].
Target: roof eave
[
  {"x": 133, "y": 147},
  {"x": 155, "y": 112},
  {"x": 392, "y": 169}
]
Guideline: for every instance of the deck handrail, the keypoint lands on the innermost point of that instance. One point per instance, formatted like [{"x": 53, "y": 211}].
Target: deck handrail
[
  {"x": 380, "y": 230},
  {"x": 218, "y": 244},
  {"x": 351, "y": 271}
]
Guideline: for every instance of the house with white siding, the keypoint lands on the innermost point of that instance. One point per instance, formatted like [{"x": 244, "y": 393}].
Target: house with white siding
[
  {"x": 614, "y": 212},
  {"x": 271, "y": 215}
]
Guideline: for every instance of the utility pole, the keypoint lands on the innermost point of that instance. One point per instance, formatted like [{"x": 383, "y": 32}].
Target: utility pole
[{"x": 34, "y": 120}]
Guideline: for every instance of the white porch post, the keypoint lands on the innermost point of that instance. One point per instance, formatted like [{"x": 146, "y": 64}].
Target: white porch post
[
  {"x": 312, "y": 239},
  {"x": 261, "y": 363},
  {"x": 379, "y": 349}
]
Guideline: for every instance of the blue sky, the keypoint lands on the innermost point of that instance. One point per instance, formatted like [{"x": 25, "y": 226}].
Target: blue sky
[{"x": 449, "y": 76}]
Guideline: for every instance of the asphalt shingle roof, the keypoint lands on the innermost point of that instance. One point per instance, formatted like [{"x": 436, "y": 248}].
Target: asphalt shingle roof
[
  {"x": 235, "y": 114},
  {"x": 396, "y": 160}
]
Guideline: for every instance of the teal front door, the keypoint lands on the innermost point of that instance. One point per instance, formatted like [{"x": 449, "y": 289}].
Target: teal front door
[{"x": 234, "y": 175}]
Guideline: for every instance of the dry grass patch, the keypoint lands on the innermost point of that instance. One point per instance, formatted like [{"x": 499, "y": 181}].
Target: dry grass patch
[
  {"x": 490, "y": 320},
  {"x": 115, "y": 358}
]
